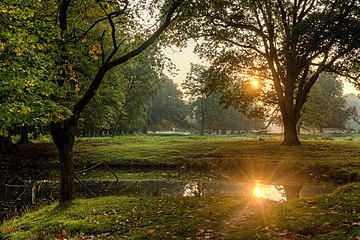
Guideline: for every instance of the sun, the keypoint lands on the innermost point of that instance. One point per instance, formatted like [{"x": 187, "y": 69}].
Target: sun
[
  {"x": 254, "y": 83},
  {"x": 257, "y": 191}
]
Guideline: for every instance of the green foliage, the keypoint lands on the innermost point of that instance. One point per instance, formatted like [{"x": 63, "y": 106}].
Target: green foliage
[
  {"x": 216, "y": 117},
  {"x": 27, "y": 66},
  {"x": 326, "y": 106},
  {"x": 143, "y": 80},
  {"x": 167, "y": 110}
]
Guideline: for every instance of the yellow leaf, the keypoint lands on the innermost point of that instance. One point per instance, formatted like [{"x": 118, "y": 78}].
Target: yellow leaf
[{"x": 77, "y": 88}]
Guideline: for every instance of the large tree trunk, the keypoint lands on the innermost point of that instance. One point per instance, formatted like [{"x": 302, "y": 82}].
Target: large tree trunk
[
  {"x": 290, "y": 128},
  {"x": 63, "y": 135},
  {"x": 5, "y": 144},
  {"x": 24, "y": 135}
]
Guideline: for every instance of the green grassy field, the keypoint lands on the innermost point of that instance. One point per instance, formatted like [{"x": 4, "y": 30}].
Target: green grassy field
[
  {"x": 230, "y": 158},
  {"x": 331, "y": 158},
  {"x": 337, "y": 159}
]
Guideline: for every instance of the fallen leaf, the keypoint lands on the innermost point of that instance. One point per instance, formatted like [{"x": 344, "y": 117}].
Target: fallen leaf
[
  {"x": 200, "y": 232},
  {"x": 63, "y": 233},
  {"x": 150, "y": 232},
  {"x": 9, "y": 229}
]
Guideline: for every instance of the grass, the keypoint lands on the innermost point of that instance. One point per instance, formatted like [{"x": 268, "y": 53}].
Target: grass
[
  {"x": 122, "y": 217},
  {"x": 333, "y": 159},
  {"x": 335, "y": 216},
  {"x": 239, "y": 156}
]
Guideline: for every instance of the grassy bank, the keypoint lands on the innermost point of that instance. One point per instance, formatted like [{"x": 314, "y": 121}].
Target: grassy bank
[
  {"x": 240, "y": 156},
  {"x": 335, "y": 216}
]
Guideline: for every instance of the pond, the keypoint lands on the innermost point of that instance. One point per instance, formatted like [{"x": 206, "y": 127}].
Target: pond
[{"x": 18, "y": 192}]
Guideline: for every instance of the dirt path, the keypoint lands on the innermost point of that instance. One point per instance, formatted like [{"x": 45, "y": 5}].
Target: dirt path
[{"x": 240, "y": 217}]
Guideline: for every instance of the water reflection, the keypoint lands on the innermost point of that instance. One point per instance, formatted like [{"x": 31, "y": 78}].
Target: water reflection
[
  {"x": 193, "y": 189},
  {"x": 13, "y": 192},
  {"x": 276, "y": 192}
]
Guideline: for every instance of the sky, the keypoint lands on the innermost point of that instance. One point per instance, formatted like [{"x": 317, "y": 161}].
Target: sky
[{"x": 183, "y": 57}]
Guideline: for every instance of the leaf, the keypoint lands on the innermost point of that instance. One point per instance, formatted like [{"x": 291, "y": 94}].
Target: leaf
[
  {"x": 150, "y": 232},
  {"x": 9, "y": 229},
  {"x": 64, "y": 233},
  {"x": 200, "y": 232},
  {"x": 311, "y": 202}
]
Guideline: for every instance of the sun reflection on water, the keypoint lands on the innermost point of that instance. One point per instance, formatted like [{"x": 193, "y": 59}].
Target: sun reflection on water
[{"x": 269, "y": 192}]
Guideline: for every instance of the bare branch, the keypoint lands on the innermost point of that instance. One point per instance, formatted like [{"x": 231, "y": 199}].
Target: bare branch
[
  {"x": 283, "y": 15},
  {"x": 112, "y": 15},
  {"x": 168, "y": 20}
]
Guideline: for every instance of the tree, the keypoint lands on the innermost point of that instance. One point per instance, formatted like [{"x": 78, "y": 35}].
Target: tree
[
  {"x": 142, "y": 81},
  {"x": 167, "y": 110},
  {"x": 326, "y": 106},
  {"x": 28, "y": 78},
  {"x": 96, "y": 36},
  {"x": 284, "y": 44},
  {"x": 353, "y": 104},
  {"x": 195, "y": 87},
  {"x": 120, "y": 39}
]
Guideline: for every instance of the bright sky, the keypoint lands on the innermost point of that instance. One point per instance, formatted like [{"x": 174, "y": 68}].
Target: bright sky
[{"x": 183, "y": 57}]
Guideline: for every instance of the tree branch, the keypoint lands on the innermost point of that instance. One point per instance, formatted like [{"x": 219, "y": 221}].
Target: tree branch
[
  {"x": 94, "y": 86},
  {"x": 149, "y": 41}
]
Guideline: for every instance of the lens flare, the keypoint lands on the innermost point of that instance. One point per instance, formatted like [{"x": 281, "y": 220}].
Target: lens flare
[{"x": 257, "y": 192}]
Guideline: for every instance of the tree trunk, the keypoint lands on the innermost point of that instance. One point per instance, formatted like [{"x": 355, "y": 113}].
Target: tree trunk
[
  {"x": 298, "y": 125},
  {"x": 24, "y": 135},
  {"x": 36, "y": 132},
  {"x": 202, "y": 124},
  {"x": 5, "y": 144},
  {"x": 63, "y": 135},
  {"x": 290, "y": 129}
]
